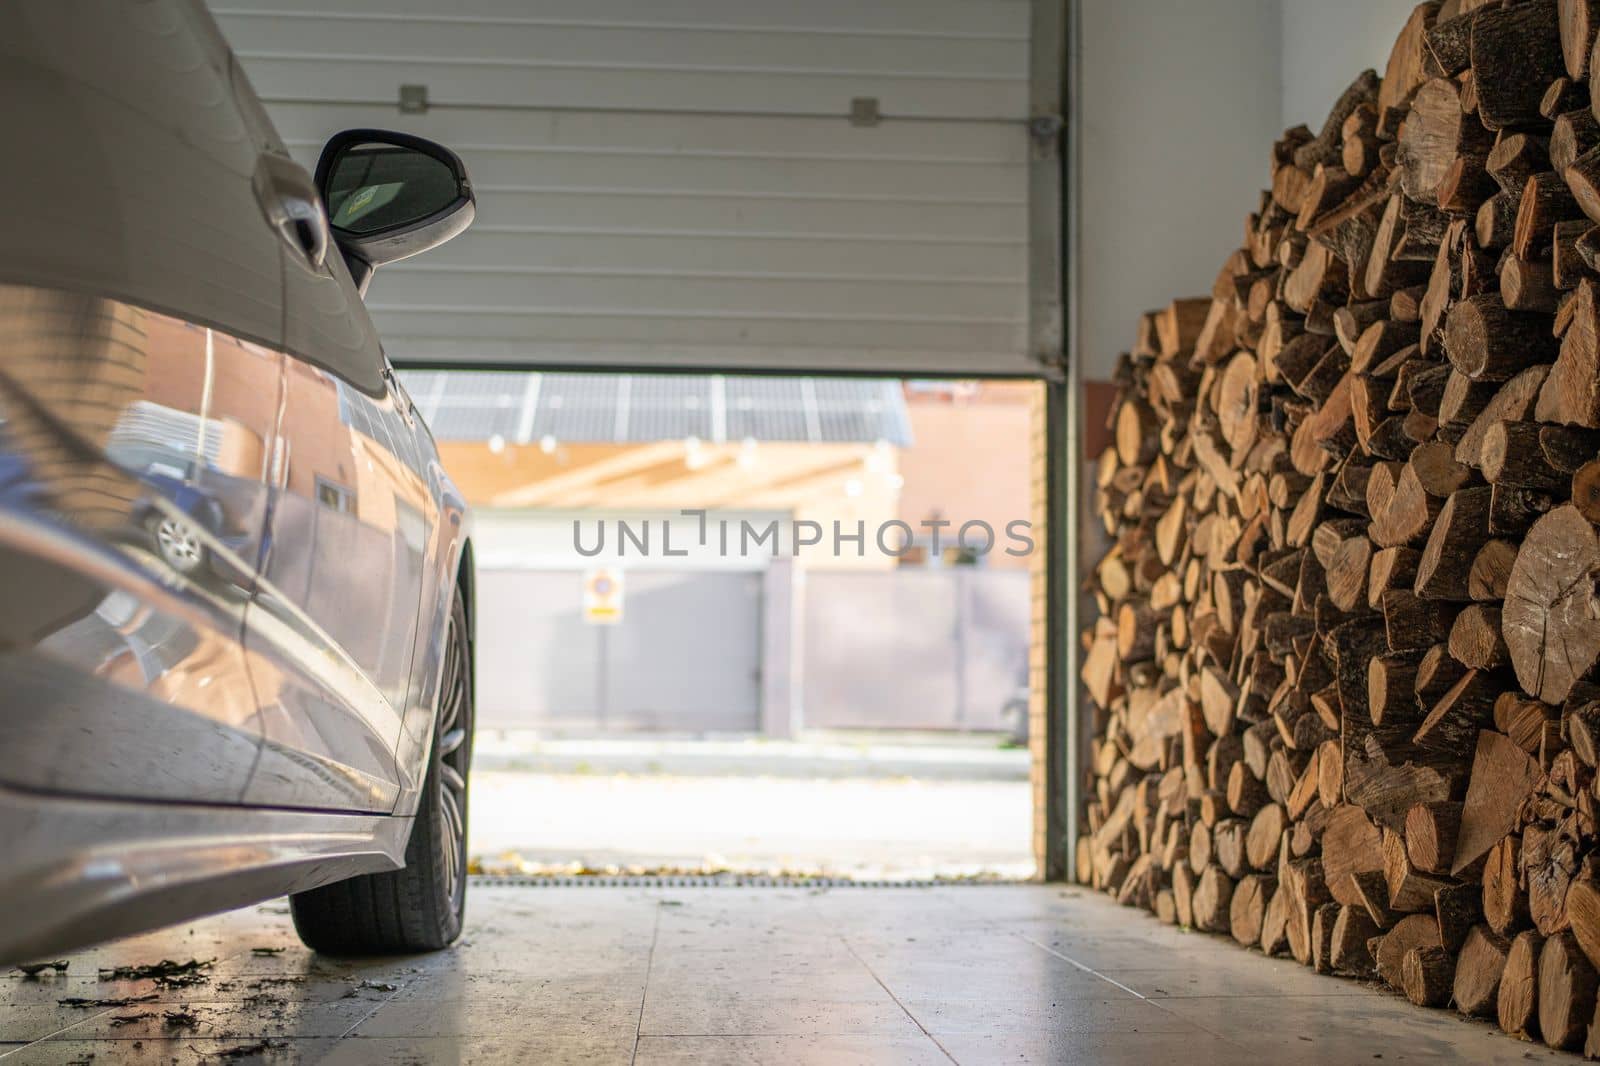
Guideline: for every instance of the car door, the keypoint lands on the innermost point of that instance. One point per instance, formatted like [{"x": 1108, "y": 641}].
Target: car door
[
  {"x": 141, "y": 309},
  {"x": 348, "y": 529}
]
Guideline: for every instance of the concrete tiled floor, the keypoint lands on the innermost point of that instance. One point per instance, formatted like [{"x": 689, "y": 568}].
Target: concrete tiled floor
[{"x": 968, "y": 974}]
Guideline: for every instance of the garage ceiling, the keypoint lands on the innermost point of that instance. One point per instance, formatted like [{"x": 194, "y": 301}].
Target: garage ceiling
[{"x": 682, "y": 183}]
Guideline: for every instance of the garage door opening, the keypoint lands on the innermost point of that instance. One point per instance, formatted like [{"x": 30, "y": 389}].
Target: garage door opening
[{"x": 748, "y": 624}]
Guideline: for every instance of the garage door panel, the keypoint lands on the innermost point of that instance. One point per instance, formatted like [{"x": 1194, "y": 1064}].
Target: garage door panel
[
  {"x": 838, "y": 255},
  {"x": 371, "y": 79},
  {"x": 730, "y": 135},
  {"x": 629, "y": 168},
  {"x": 682, "y": 178},
  {"x": 967, "y": 18},
  {"x": 777, "y": 295},
  {"x": 731, "y": 52},
  {"x": 628, "y": 333},
  {"x": 754, "y": 214},
  {"x": 950, "y": 59},
  {"x": 836, "y": 169}
]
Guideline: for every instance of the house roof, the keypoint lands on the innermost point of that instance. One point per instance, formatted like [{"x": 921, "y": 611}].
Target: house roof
[{"x": 525, "y": 406}]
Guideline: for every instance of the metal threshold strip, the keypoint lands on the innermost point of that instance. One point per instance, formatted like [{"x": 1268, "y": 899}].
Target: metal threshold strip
[{"x": 729, "y": 880}]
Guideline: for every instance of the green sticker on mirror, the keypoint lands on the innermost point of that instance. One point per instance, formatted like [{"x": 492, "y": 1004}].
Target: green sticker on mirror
[{"x": 364, "y": 201}]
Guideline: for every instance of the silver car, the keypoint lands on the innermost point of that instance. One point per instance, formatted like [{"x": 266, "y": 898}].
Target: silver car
[{"x": 236, "y": 593}]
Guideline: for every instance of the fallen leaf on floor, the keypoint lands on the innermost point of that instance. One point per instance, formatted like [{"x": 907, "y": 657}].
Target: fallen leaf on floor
[
  {"x": 267, "y": 952},
  {"x": 34, "y": 969},
  {"x": 181, "y": 1019},
  {"x": 119, "y": 1020},
  {"x": 379, "y": 986}
]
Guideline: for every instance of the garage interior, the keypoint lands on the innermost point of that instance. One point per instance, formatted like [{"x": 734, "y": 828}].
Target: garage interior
[{"x": 1307, "y": 647}]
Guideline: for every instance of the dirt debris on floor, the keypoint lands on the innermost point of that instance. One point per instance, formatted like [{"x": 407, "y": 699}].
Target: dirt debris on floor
[
  {"x": 166, "y": 973},
  {"x": 90, "y": 1002}
]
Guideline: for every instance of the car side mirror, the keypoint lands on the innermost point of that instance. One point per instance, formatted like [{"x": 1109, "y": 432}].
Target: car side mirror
[{"x": 390, "y": 196}]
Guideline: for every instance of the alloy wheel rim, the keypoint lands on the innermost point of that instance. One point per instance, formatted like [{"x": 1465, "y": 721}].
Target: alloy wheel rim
[
  {"x": 454, "y": 727},
  {"x": 178, "y": 542}
]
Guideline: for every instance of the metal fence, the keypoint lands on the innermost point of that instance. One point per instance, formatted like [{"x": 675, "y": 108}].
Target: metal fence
[
  {"x": 915, "y": 649},
  {"x": 902, "y": 649}
]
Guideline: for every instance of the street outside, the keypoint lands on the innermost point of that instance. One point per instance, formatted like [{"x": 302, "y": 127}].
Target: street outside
[{"x": 864, "y": 808}]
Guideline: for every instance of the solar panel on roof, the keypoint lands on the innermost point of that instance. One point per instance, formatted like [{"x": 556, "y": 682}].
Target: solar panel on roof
[{"x": 470, "y": 405}]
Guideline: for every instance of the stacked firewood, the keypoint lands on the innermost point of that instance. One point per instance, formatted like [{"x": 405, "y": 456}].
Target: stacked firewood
[{"x": 1347, "y": 702}]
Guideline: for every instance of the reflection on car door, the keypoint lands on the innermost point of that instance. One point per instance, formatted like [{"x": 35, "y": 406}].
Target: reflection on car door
[
  {"x": 342, "y": 579},
  {"x": 140, "y": 318}
]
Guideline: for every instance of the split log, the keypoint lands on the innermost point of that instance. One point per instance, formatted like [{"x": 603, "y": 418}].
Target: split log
[
  {"x": 1505, "y": 904},
  {"x": 1551, "y": 617},
  {"x": 1351, "y": 845},
  {"x": 1571, "y": 392},
  {"x": 1431, "y": 831},
  {"x": 1248, "y": 907},
  {"x": 1515, "y": 53},
  {"x": 1479, "y": 967},
  {"x": 1567, "y": 985},
  {"x": 1549, "y": 864},
  {"x": 1436, "y": 133},
  {"x": 1491, "y": 567},
  {"x": 1347, "y": 947},
  {"x": 1475, "y": 639},
  {"x": 1274, "y": 938},
  {"x": 1502, "y": 777},
  {"x": 1410, "y": 890},
  {"x": 1213, "y": 897},
  {"x": 1583, "y": 915},
  {"x": 1517, "y": 1003},
  {"x": 1488, "y": 342},
  {"x": 1458, "y": 909},
  {"x": 1578, "y": 20},
  {"x": 1323, "y": 920},
  {"x": 1460, "y": 530},
  {"x": 1427, "y": 976},
  {"x": 1408, "y": 934}
]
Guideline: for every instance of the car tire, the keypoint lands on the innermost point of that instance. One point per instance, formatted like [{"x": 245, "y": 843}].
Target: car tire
[{"x": 421, "y": 906}]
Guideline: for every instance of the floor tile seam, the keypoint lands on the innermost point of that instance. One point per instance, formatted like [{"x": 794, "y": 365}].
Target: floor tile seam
[
  {"x": 897, "y": 1002},
  {"x": 1156, "y": 1003}
]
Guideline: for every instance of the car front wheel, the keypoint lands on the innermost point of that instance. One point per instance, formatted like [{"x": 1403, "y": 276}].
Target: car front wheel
[
  {"x": 177, "y": 542},
  {"x": 419, "y": 907}
]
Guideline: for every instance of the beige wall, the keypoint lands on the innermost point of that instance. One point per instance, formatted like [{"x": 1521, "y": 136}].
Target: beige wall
[{"x": 971, "y": 460}]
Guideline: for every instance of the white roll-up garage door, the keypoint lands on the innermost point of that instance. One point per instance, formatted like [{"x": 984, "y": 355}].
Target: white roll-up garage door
[{"x": 733, "y": 184}]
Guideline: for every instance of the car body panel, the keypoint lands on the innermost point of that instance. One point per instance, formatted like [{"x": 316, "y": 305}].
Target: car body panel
[
  {"x": 132, "y": 164},
  {"x": 322, "y": 592},
  {"x": 113, "y": 418},
  {"x": 94, "y": 869},
  {"x": 450, "y": 539},
  {"x": 220, "y": 671}
]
